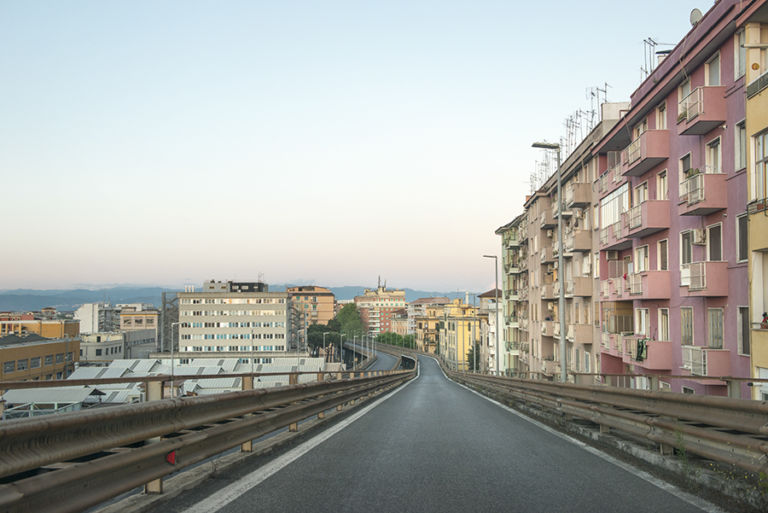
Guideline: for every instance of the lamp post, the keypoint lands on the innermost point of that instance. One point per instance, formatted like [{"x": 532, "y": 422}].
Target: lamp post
[
  {"x": 496, "y": 299},
  {"x": 341, "y": 347},
  {"x": 173, "y": 378},
  {"x": 325, "y": 355},
  {"x": 560, "y": 269}
]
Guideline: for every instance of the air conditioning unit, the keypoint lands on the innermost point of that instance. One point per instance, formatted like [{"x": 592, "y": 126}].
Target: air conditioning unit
[
  {"x": 612, "y": 255},
  {"x": 699, "y": 237},
  {"x": 549, "y": 233}
]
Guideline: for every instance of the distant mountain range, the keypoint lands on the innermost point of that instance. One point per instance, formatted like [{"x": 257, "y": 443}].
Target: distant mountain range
[{"x": 64, "y": 300}]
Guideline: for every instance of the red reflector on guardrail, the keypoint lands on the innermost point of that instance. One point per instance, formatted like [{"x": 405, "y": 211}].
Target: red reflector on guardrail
[{"x": 171, "y": 457}]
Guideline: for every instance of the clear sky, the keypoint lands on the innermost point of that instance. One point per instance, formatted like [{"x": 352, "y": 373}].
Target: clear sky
[{"x": 165, "y": 142}]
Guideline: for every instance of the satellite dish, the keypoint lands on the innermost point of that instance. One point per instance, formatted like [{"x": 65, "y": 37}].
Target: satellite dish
[{"x": 696, "y": 17}]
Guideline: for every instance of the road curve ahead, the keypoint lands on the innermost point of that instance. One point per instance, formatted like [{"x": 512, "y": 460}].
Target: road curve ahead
[{"x": 434, "y": 446}]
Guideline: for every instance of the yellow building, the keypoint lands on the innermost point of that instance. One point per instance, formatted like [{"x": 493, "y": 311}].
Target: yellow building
[
  {"x": 754, "y": 141},
  {"x": 45, "y": 328},
  {"x": 32, "y": 357},
  {"x": 460, "y": 327},
  {"x": 314, "y": 304},
  {"x": 427, "y": 328}
]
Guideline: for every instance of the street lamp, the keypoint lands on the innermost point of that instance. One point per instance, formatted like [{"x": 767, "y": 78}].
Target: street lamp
[
  {"x": 173, "y": 378},
  {"x": 341, "y": 347},
  {"x": 496, "y": 296},
  {"x": 560, "y": 269},
  {"x": 325, "y": 355}
]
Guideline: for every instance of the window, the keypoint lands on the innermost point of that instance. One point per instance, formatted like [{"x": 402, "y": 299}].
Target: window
[
  {"x": 715, "y": 243},
  {"x": 686, "y": 326},
  {"x": 9, "y": 366},
  {"x": 60, "y": 358},
  {"x": 663, "y": 324},
  {"x": 662, "y": 187},
  {"x": 715, "y": 321},
  {"x": 686, "y": 241},
  {"x": 662, "y": 258},
  {"x": 740, "y": 146},
  {"x": 641, "y": 322},
  {"x": 641, "y": 193},
  {"x": 713, "y": 157},
  {"x": 713, "y": 71},
  {"x": 742, "y": 330},
  {"x": 34, "y": 363},
  {"x": 641, "y": 259},
  {"x": 739, "y": 55},
  {"x": 98, "y": 352},
  {"x": 684, "y": 166},
  {"x": 49, "y": 359},
  {"x": 661, "y": 116},
  {"x": 761, "y": 165},
  {"x": 684, "y": 90},
  {"x": 742, "y": 238}
]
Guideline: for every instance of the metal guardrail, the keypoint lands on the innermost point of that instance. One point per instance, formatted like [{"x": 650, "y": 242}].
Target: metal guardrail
[
  {"x": 728, "y": 430},
  {"x": 72, "y": 461}
]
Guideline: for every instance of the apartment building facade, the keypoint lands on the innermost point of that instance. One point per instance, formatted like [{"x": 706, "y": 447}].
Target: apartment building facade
[
  {"x": 232, "y": 317},
  {"x": 672, "y": 196},
  {"x": 314, "y": 304},
  {"x": 753, "y": 29},
  {"x": 460, "y": 329},
  {"x": 377, "y": 308},
  {"x": 514, "y": 257},
  {"x": 48, "y": 328},
  {"x": 98, "y": 317}
]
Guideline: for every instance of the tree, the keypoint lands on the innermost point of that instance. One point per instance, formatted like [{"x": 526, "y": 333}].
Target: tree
[
  {"x": 473, "y": 362},
  {"x": 349, "y": 320}
]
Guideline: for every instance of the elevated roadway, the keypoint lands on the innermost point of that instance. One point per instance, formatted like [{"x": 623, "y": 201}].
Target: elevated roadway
[{"x": 435, "y": 446}]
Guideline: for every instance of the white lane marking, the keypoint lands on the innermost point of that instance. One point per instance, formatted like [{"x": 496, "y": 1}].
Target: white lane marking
[
  {"x": 698, "y": 502},
  {"x": 229, "y": 493}
]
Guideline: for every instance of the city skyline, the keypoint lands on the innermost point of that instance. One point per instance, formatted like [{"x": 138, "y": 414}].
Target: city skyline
[{"x": 170, "y": 143}]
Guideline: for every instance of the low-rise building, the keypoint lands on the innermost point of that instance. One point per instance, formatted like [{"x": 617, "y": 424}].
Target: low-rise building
[
  {"x": 52, "y": 328},
  {"x": 33, "y": 357}
]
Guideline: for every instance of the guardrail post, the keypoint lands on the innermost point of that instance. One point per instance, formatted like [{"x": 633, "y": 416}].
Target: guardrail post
[
  {"x": 153, "y": 390},
  {"x": 293, "y": 378},
  {"x": 320, "y": 376},
  {"x": 655, "y": 383},
  {"x": 734, "y": 388},
  {"x": 247, "y": 383}
]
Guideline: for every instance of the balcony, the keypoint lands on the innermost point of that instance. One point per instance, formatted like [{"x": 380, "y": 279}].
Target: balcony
[
  {"x": 548, "y": 219},
  {"x": 650, "y": 285},
  {"x": 578, "y": 240},
  {"x": 511, "y": 321},
  {"x": 578, "y": 195},
  {"x": 650, "y": 354},
  {"x": 548, "y": 291},
  {"x": 704, "y": 279},
  {"x": 703, "y": 194},
  {"x": 511, "y": 240},
  {"x": 705, "y": 361},
  {"x": 611, "y": 238},
  {"x": 580, "y": 286},
  {"x": 580, "y": 333},
  {"x": 646, "y": 152},
  {"x": 647, "y": 218},
  {"x": 620, "y": 289},
  {"x": 548, "y": 328},
  {"x": 701, "y": 111},
  {"x": 511, "y": 295},
  {"x": 523, "y": 324},
  {"x": 547, "y": 255},
  {"x": 511, "y": 267}
]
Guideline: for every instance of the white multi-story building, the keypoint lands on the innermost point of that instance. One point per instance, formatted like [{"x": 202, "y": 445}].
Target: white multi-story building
[
  {"x": 232, "y": 317},
  {"x": 98, "y": 317}
]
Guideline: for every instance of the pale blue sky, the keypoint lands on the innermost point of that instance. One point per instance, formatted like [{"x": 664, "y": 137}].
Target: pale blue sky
[{"x": 167, "y": 142}]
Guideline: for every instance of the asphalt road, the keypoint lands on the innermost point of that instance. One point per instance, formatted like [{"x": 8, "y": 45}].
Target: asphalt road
[{"x": 434, "y": 446}]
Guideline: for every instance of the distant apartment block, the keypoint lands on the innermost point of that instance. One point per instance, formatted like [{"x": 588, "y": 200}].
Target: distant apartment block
[
  {"x": 32, "y": 357},
  {"x": 486, "y": 314},
  {"x": 377, "y": 307},
  {"x": 236, "y": 317},
  {"x": 460, "y": 329},
  {"x": 418, "y": 309},
  {"x": 315, "y": 305},
  {"x": 98, "y": 317},
  {"x": 139, "y": 318}
]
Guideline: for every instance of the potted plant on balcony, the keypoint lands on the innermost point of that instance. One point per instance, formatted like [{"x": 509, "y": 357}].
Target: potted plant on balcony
[
  {"x": 681, "y": 117},
  {"x": 689, "y": 173}
]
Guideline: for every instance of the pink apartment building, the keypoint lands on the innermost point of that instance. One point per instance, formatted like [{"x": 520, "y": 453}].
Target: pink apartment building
[{"x": 671, "y": 203}]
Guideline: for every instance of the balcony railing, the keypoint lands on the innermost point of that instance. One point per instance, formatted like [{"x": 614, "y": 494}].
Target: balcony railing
[
  {"x": 578, "y": 194},
  {"x": 648, "y": 150},
  {"x": 702, "y": 110},
  {"x": 704, "y": 193},
  {"x": 647, "y": 218},
  {"x": 707, "y": 279}
]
